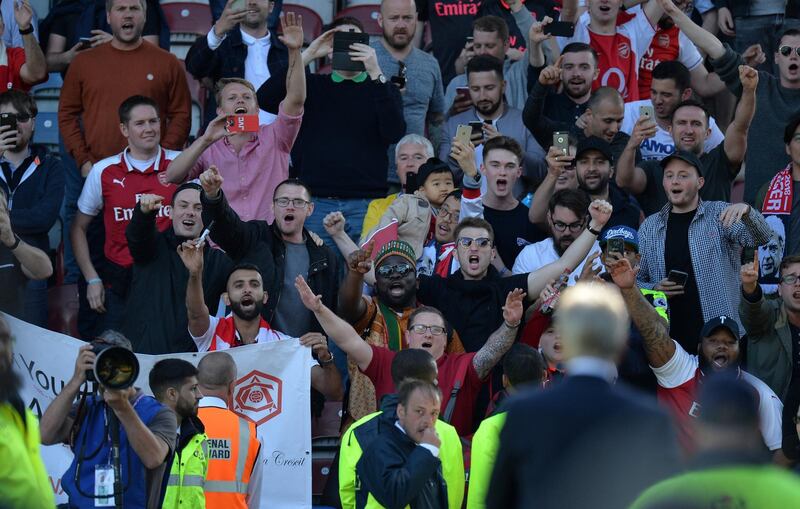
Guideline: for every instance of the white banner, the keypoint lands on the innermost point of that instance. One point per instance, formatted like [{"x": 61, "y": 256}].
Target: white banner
[{"x": 272, "y": 390}]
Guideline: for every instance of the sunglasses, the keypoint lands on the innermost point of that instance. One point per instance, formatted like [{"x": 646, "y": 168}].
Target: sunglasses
[
  {"x": 787, "y": 50},
  {"x": 481, "y": 242},
  {"x": 401, "y": 269},
  {"x": 21, "y": 117}
]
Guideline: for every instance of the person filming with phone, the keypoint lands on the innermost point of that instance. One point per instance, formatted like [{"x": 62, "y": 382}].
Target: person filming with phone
[
  {"x": 691, "y": 249},
  {"x": 146, "y": 429}
]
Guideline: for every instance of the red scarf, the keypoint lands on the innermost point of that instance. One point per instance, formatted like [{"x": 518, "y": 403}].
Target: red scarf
[{"x": 778, "y": 199}]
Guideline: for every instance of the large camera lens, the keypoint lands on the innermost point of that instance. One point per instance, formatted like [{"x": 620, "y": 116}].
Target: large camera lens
[{"x": 114, "y": 367}]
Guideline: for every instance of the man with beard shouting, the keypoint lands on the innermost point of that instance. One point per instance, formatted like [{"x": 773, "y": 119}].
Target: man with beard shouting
[
  {"x": 246, "y": 297},
  {"x": 679, "y": 373}
]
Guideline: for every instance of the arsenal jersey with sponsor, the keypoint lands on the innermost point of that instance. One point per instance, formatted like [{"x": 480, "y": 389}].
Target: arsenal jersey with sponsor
[
  {"x": 667, "y": 45},
  {"x": 618, "y": 54},
  {"x": 678, "y": 385},
  {"x": 114, "y": 186}
]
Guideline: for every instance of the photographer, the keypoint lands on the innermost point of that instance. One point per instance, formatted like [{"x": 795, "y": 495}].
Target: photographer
[{"x": 147, "y": 434}]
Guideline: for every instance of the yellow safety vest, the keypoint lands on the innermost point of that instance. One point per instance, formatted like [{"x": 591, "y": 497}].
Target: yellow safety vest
[
  {"x": 187, "y": 476},
  {"x": 450, "y": 454},
  {"x": 23, "y": 477},
  {"x": 485, "y": 442}
]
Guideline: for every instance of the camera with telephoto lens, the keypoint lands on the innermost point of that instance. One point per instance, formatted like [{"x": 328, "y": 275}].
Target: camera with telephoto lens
[{"x": 115, "y": 367}]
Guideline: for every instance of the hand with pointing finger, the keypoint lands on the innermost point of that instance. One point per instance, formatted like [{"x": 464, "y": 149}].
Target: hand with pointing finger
[
  {"x": 211, "y": 181},
  {"x": 551, "y": 75}
]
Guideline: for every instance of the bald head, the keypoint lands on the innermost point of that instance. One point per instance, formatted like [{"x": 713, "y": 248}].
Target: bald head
[
  {"x": 216, "y": 371},
  {"x": 592, "y": 320},
  {"x": 398, "y": 19},
  {"x": 605, "y": 110},
  {"x": 603, "y": 95}
]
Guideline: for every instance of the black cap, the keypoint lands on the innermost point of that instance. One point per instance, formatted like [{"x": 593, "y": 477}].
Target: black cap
[
  {"x": 685, "y": 156},
  {"x": 720, "y": 321},
  {"x": 595, "y": 143},
  {"x": 432, "y": 165}
]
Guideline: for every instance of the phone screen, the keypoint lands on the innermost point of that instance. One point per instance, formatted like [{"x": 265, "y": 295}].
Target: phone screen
[
  {"x": 616, "y": 246},
  {"x": 679, "y": 277}
]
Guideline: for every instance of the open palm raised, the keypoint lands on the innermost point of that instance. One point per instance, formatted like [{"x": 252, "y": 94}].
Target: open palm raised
[{"x": 292, "y": 27}]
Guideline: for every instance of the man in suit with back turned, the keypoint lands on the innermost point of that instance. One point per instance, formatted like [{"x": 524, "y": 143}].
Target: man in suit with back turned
[{"x": 585, "y": 442}]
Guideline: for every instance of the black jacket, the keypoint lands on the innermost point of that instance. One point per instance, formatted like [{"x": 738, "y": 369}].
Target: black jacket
[
  {"x": 581, "y": 443},
  {"x": 155, "y": 318},
  {"x": 260, "y": 243},
  {"x": 398, "y": 473},
  {"x": 227, "y": 61},
  {"x": 35, "y": 203}
]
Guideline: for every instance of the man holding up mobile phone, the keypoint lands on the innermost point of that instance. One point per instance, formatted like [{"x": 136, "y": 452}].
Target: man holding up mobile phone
[
  {"x": 702, "y": 239},
  {"x": 251, "y": 163}
]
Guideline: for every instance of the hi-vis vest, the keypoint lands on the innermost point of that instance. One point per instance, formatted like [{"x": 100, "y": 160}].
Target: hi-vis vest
[
  {"x": 232, "y": 450},
  {"x": 187, "y": 476}
]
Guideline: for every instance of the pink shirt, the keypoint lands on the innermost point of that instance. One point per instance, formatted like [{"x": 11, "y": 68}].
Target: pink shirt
[{"x": 250, "y": 177}]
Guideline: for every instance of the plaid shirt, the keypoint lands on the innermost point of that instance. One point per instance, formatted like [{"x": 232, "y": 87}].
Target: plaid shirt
[{"x": 715, "y": 251}]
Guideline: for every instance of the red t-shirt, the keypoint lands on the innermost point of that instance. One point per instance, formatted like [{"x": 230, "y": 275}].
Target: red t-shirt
[
  {"x": 379, "y": 372},
  {"x": 667, "y": 45},
  {"x": 9, "y": 73},
  {"x": 618, "y": 54},
  {"x": 113, "y": 186}
]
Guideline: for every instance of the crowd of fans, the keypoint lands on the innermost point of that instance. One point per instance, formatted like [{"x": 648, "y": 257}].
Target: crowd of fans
[{"x": 547, "y": 255}]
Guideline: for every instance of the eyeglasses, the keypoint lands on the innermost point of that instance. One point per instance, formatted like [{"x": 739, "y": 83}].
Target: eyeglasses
[
  {"x": 787, "y": 50},
  {"x": 480, "y": 241},
  {"x": 446, "y": 212},
  {"x": 401, "y": 269},
  {"x": 789, "y": 279},
  {"x": 561, "y": 226},
  {"x": 297, "y": 203},
  {"x": 435, "y": 330}
]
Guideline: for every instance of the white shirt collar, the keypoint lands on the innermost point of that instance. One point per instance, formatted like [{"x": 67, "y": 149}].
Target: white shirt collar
[
  {"x": 250, "y": 40},
  {"x": 591, "y": 366},
  {"x": 212, "y": 402}
]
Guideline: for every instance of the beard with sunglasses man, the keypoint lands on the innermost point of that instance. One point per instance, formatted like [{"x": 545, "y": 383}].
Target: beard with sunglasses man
[{"x": 383, "y": 316}]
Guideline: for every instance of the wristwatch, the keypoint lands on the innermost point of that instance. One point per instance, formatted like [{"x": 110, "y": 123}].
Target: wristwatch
[
  {"x": 15, "y": 245},
  {"x": 594, "y": 232},
  {"x": 380, "y": 80},
  {"x": 327, "y": 361}
]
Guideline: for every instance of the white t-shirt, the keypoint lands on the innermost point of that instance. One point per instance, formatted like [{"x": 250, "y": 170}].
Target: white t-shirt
[
  {"x": 661, "y": 145},
  {"x": 537, "y": 255}
]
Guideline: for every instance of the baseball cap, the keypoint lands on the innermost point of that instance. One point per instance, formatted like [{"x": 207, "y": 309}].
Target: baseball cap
[
  {"x": 687, "y": 157},
  {"x": 432, "y": 165},
  {"x": 626, "y": 233},
  {"x": 720, "y": 321},
  {"x": 595, "y": 143}
]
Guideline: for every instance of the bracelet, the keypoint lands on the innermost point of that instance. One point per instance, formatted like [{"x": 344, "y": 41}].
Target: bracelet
[
  {"x": 15, "y": 245},
  {"x": 94, "y": 280},
  {"x": 27, "y": 31},
  {"x": 511, "y": 326},
  {"x": 325, "y": 363},
  {"x": 594, "y": 232}
]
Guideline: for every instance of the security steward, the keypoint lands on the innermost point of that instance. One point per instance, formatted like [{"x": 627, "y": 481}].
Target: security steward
[
  {"x": 234, "y": 453},
  {"x": 174, "y": 384}
]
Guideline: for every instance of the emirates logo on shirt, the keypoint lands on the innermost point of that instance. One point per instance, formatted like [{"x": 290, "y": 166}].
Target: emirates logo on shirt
[
  {"x": 624, "y": 50},
  {"x": 663, "y": 40}
]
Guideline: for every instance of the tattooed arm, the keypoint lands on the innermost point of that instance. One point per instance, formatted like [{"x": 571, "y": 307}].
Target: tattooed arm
[
  {"x": 501, "y": 340},
  {"x": 658, "y": 346}
]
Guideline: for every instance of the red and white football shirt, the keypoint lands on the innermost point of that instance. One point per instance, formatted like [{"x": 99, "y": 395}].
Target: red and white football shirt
[
  {"x": 618, "y": 54},
  {"x": 222, "y": 335},
  {"x": 678, "y": 381},
  {"x": 114, "y": 186},
  {"x": 666, "y": 45}
]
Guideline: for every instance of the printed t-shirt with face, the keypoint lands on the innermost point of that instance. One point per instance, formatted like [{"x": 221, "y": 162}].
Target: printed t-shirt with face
[{"x": 619, "y": 54}]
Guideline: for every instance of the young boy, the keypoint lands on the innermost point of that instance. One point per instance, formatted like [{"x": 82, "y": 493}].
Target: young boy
[{"x": 414, "y": 210}]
